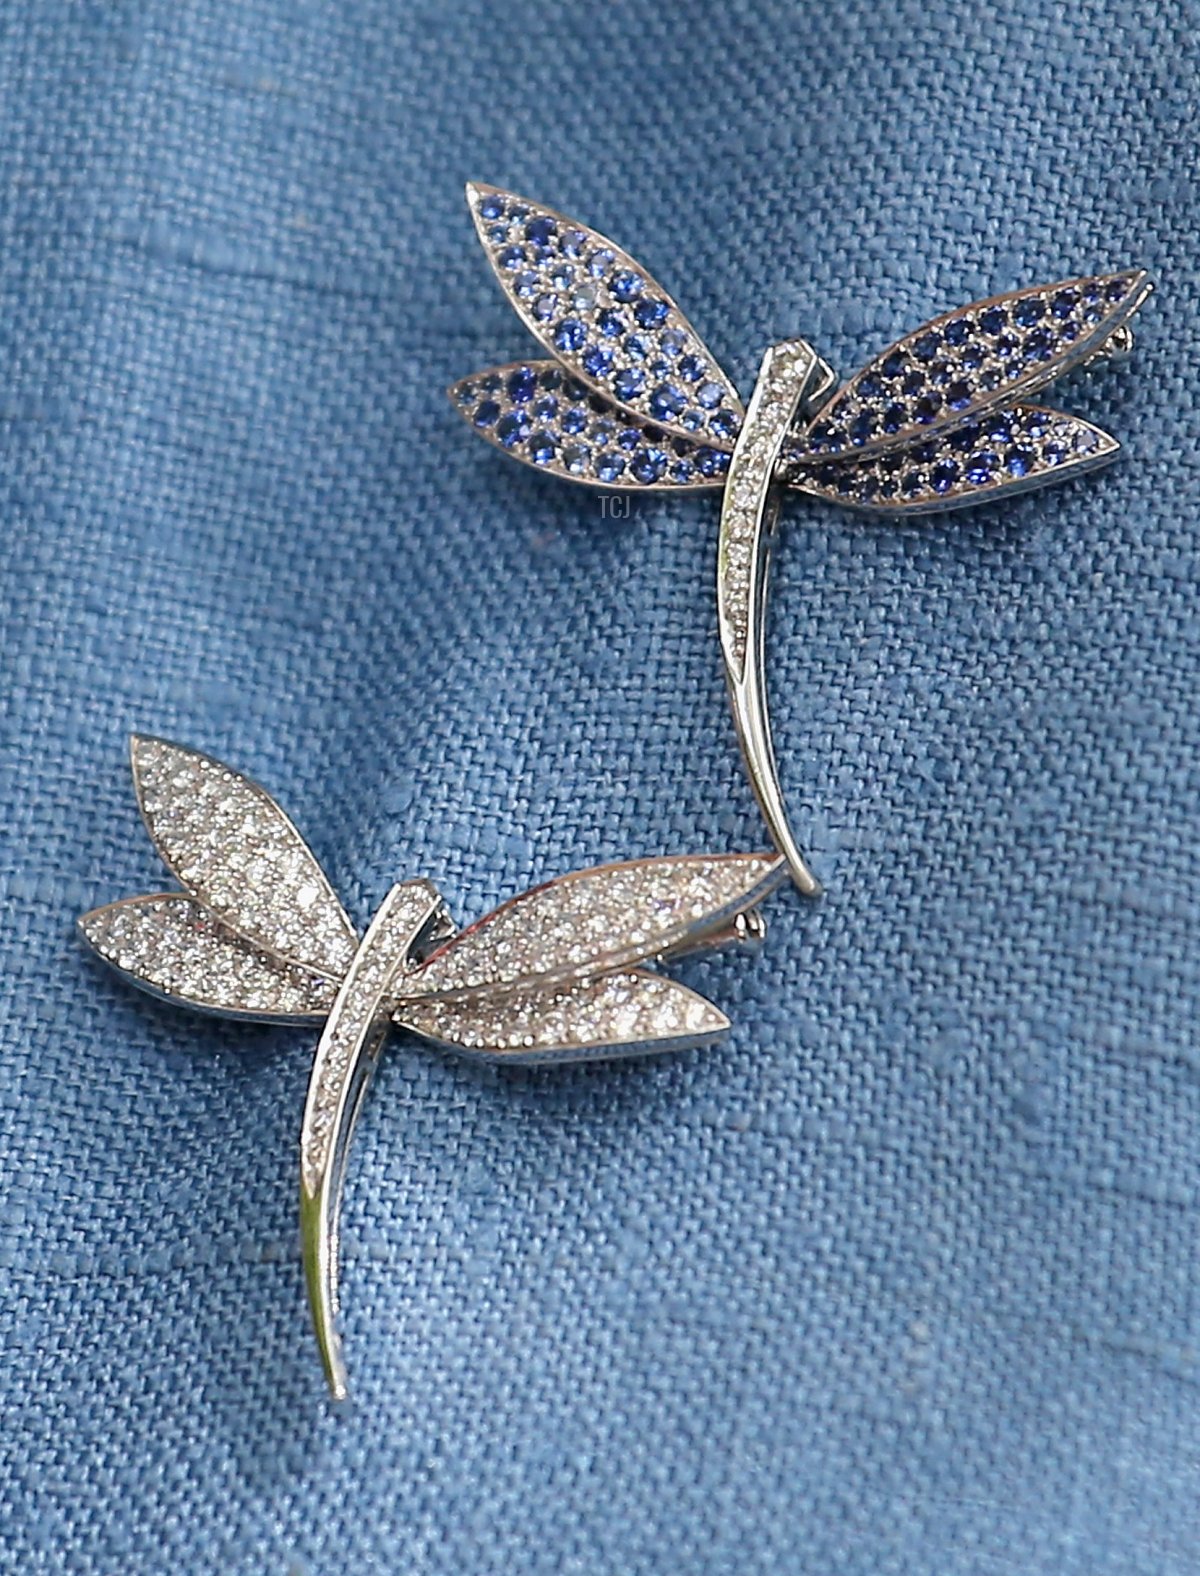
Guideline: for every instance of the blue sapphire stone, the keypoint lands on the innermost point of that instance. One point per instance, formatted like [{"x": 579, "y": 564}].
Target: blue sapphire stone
[
  {"x": 893, "y": 364},
  {"x": 672, "y": 341},
  {"x": 492, "y": 206},
  {"x": 545, "y": 307},
  {"x": 724, "y": 424},
  {"x": 971, "y": 357},
  {"x": 521, "y": 385},
  {"x": 541, "y": 231},
  {"x": 576, "y": 459},
  {"x": 966, "y": 437},
  {"x": 600, "y": 262},
  {"x": 636, "y": 347},
  {"x": 651, "y": 313},
  {"x": 648, "y": 465},
  {"x": 693, "y": 420},
  {"x": 1028, "y": 312},
  {"x": 1039, "y": 346},
  {"x": 913, "y": 383},
  {"x": 626, "y": 286},
  {"x": 894, "y": 417},
  {"x": 527, "y": 284},
  {"x": 498, "y": 234},
  {"x": 710, "y": 395},
  {"x": 993, "y": 320},
  {"x": 958, "y": 395},
  {"x": 1115, "y": 289},
  {"x": 999, "y": 427},
  {"x": 609, "y": 466},
  {"x": 913, "y": 484},
  {"x": 550, "y": 378},
  {"x": 511, "y": 256},
  {"x": 943, "y": 476},
  {"x": 512, "y": 428},
  {"x": 1019, "y": 462},
  {"x": 574, "y": 420},
  {"x": 927, "y": 345},
  {"x": 628, "y": 382},
  {"x": 597, "y": 361},
  {"x": 486, "y": 413},
  {"x": 602, "y": 432},
  {"x": 666, "y": 402},
  {"x": 982, "y": 467},
  {"x": 711, "y": 462},
  {"x": 561, "y": 276},
  {"x": 862, "y": 428},
  {"x": 957, "y": 331},
  {"x": 541, "y": 448},
  {"x": 870, "y": 386},
  {"x": 926, "y": 408},
  {"x": 572, "y": 242},
  {"x": 682, "y": 472},
  {"x": 546, "y": 408},
  {"x": 570, "y": 335},
  {"x": 1054, "y": 452},
  {"x": 691, "y": 368},
  {"x": 610, "y": 323},
  {"x": 629, "y": 438},
  {"x": 1064, "y": 303}
]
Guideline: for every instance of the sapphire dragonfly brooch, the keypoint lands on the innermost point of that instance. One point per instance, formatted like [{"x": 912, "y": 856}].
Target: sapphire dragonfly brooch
[
  {"x": 556, "y": 974},
  {"x": 633, "y": 399}
]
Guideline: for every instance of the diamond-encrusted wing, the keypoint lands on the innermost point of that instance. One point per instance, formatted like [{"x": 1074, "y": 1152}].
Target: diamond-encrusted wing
[
  {"x": 231, "y": 846},
  {"x": 596, "y": 922},
  {"x": 171, "y": 945},
  {"x": 540, "y": 414},
  {"x": 1005, "y": 452},
  {"x": 604, "y": 317},
  {"x": 966, "y": 362},
  {"x": 617, "y": 1015}
]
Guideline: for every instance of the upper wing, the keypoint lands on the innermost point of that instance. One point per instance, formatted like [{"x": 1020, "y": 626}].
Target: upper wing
[
  {"x": 960, "y": 365},
  {"x": 1005, "y": 452},
  {"x": 538, "y": 413},
  {"x": 604, "y": 317},
  {"x": 173, "y": 946},
  {"x": 231, "y": 845},
  {"x": 596, "y": 922},
  {"x": 618, "y": 1015}
]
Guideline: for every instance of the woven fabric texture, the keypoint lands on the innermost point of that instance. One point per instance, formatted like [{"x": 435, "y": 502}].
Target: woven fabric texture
[{"x": 901, "y": 1279}]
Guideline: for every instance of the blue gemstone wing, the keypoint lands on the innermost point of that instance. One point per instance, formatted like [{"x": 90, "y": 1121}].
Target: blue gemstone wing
[
  {"x": 1003, "y": 452},
  {"x": 605, "y": 318},
  {"x": 965, "y": 363},
  {"x": 537, "y": 412}
]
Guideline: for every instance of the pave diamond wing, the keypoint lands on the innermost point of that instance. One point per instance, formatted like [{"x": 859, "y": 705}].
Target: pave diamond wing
[
  {"x": 604, "y": 317},
  {"x": 1005, "y": 452},
  {"x": 231, "y": 846},
  {"x": 173, "y": 946},
  {"x": 596, "y": 922},
  {"x": 623, "y": 1014},
  {"x": 964, "y": 363},
  {"x": 540, "y": 414}
]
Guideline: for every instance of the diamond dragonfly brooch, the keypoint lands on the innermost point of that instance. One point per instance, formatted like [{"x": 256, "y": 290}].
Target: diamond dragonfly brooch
[
  {"x": 557, "y": 974},
  {"x": 633, "y": 399}
]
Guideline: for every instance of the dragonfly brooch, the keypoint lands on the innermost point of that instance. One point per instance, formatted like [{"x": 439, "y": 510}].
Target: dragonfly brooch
[
  {"x": 633, "y": 399},
  {"x": 557, "y": 974}
]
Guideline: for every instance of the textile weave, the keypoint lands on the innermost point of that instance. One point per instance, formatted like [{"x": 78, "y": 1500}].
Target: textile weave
[{"x": 902, "y": 1278}]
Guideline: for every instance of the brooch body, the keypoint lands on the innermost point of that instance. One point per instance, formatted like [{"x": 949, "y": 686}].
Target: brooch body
[
  {"x": 632, "y": 398},
  {"x": 564, "y": 972}
]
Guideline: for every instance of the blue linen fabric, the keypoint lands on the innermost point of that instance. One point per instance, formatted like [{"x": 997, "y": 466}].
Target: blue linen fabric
[{"x": 903, "y": 1278}]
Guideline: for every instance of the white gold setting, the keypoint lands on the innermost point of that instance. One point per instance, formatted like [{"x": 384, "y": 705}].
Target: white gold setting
[{"x": 556, "y": 974}]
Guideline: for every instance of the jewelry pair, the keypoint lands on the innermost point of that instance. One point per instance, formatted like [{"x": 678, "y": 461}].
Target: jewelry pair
[{"x": 631, "y": 398}]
